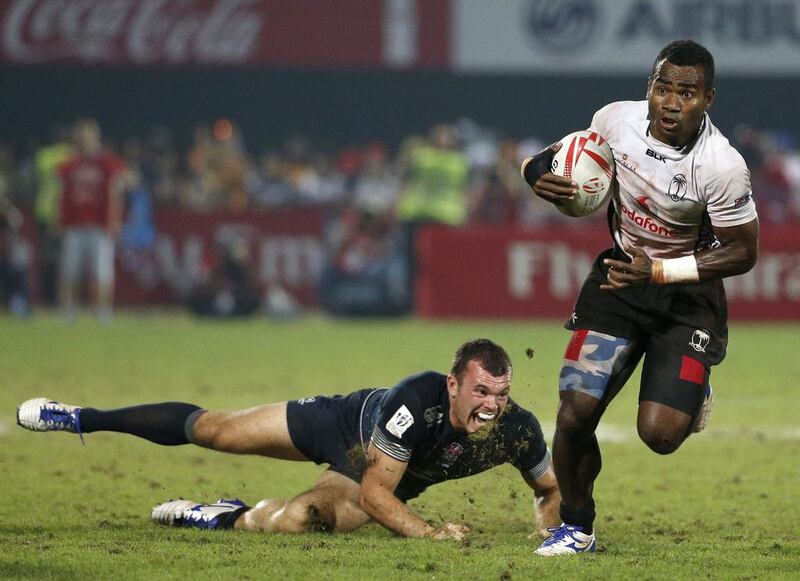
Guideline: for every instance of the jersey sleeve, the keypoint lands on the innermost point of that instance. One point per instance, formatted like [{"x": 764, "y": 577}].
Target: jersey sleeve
[
  {"x": 400, "y": 424},
  {"x": 532, "y": 457},
  {"x": 730, "y": 194},
  {"x": 604, "y": 119},
  {"x": 599, "y": 121}
]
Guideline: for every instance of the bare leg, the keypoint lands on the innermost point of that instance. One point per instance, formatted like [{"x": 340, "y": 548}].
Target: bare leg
[
  {"x": 261, "y": 430},
  {"x": 661, "y": 427},
  {"x": 596, "y": 366},
  {"x": 70, "y": 268},
  {"x": 576, "y": 454},
  {"x": 332, "y": 505},
  {"x": 66, "y": 295},
  {"x": 664, "y": 389},
  {"x": 103, "y": 279},
  {"x": 103, "y": 298}
]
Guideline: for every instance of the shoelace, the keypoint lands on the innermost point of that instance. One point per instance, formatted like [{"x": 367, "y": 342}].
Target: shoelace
[
  {"x": 559, "y": 533},
  {"x": 63, "y": 418}
]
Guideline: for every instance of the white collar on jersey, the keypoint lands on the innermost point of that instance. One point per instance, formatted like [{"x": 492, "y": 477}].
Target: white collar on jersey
[{"x": 687, "y": 147}]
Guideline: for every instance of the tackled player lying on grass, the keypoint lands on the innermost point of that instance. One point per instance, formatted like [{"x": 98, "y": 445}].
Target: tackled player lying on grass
[{"x": 384, "y": 447}]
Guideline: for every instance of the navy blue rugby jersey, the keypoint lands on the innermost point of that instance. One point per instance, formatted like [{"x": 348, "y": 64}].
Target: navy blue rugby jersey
[{"x": 410, "y": 422}]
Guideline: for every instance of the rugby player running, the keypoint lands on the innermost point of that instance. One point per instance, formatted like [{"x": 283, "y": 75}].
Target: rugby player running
[
  {"x": 682, "y": 219},
  {"x": 384, "y": 447}
]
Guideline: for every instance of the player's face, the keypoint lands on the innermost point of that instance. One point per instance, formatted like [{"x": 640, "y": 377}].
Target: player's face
[
  {"x": 479, "y": 399},
  {"x": 677, "y": 99}
]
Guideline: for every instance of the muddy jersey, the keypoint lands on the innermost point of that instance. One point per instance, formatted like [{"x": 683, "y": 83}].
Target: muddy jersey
[
  {"x": 668, "y": 198},
  {"x": 410, "y": 422}
]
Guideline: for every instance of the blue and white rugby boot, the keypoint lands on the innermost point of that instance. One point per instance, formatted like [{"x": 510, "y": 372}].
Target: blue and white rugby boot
[
  {"x": 45, "y": 415},
  {"x": 704, "y": 415},
  {"x": 567, "y": 540},
  {"x": 187, "y": 513}
]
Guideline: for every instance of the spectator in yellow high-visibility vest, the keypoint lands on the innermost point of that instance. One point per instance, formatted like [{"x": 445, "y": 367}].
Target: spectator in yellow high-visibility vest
[{"x": 437, "y": 181}]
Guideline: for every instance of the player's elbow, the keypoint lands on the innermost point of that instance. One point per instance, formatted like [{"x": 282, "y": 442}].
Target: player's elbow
[
  {"x": 744, "y": 247},
  {"x": 746, "y": 259},
  {"x": 751, "y": 257}
]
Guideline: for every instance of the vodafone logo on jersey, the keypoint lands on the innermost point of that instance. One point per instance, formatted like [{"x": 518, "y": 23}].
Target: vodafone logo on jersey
[{"x": 646, "y": 222}]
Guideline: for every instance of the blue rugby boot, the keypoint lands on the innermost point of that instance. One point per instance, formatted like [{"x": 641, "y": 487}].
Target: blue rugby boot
[
  {"x": 45, "y": 415},
  {"x": 567, "y": 540},
  {"x": 187, "y": 513}
]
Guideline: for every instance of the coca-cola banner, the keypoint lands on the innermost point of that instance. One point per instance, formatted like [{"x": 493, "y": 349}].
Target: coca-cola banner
[
  {"x": 285, "y": 250},
  {"x": 317, "y": 33},
  {"x": 520, "y": 273}
]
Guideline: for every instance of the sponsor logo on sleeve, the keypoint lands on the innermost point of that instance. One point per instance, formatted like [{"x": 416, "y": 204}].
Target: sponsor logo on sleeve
[
  {"x": 400, "y": 422},
  {"x": 742, "y": 200}
]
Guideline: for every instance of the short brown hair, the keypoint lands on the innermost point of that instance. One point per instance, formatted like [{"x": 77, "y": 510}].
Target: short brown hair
[{"x": 488, "y": 354}]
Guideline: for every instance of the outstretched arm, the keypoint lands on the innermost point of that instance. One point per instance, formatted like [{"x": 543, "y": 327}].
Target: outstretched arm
[
  {"x": 377, "y": 498},
  {"x": 544, "y": 183},
  {"x": 546, "y": 502},
  {"x": 736, "y": 254}
]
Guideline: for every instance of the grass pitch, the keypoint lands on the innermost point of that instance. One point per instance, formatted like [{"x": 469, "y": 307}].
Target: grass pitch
[{"x": 723, "y": 507}]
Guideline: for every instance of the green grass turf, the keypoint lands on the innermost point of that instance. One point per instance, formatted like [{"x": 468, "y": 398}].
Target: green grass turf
[{"x": 722, "y": 507}]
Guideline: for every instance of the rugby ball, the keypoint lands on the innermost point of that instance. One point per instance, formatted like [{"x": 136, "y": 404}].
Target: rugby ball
[{"x": 586, "y": 158}]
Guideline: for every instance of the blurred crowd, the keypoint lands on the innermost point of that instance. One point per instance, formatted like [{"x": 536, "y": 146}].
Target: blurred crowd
[
  {"x": 475, "y": 169},
  {"x": 469, "y": 169},
  {"x": 458, "y": 173}
]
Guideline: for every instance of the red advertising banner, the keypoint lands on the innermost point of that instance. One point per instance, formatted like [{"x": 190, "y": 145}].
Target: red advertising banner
[
  {"x": 316, "y": 33},
  {"x": 520, "y": 273},
  {"x": 285, "y": 248}
]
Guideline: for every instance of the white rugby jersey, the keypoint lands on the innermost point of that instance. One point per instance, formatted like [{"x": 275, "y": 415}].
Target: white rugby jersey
[{"x": 666, "y": 195}]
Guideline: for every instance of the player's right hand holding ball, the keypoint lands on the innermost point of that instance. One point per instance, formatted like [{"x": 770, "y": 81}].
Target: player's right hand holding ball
[{"x": 544, "y": 183}]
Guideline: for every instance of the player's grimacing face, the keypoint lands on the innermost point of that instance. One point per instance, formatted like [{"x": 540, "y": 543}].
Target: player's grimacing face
[
  {"x": 478, "y": 399},
  {"x": 677, "y": 98}
]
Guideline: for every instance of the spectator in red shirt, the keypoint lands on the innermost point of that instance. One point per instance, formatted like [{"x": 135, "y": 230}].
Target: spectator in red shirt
[{"x": 91, "y": 218}]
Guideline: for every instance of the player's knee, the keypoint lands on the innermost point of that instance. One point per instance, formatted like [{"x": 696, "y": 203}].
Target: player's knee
[
  {"x": 576, "y": 419},
  {"x": 659, "y": 440},
  {"x": 210, "y": 431},
  {"x": 307, "y": 516}
]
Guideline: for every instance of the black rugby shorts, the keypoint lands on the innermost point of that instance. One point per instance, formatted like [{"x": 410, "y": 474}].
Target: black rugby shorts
[{"x": 681, "y": 330}]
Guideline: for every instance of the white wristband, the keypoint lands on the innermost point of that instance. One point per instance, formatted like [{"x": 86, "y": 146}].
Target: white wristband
[{"x": 672, "y": 270}]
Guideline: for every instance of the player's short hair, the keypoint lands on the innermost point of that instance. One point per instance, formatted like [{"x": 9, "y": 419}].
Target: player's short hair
[
  {"x": 488, "y": 354},
  {"x": 687, "y": 53}
]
